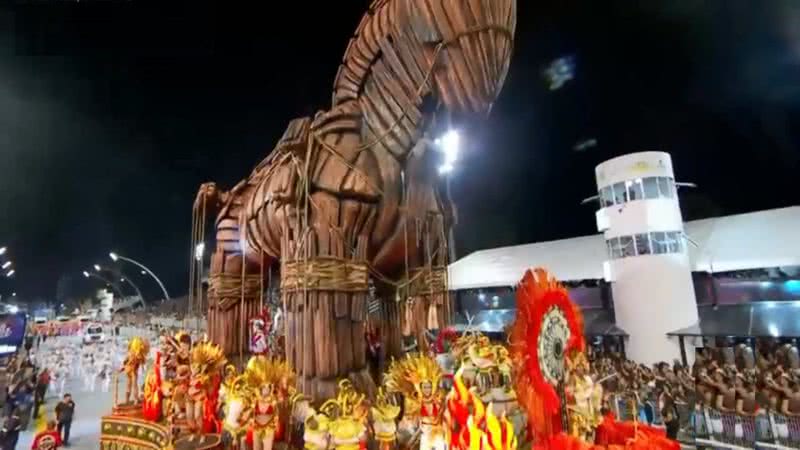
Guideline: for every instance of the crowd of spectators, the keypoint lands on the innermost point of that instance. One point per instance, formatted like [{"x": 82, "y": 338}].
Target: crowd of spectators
[{"x": 742, "y": 391}]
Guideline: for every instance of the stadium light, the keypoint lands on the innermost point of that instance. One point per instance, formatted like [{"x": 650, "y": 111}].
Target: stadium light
[{"x": 450, "y": 145}]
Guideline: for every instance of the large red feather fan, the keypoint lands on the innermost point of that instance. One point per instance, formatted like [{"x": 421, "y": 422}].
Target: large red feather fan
[{"x": 537, "y": 294}]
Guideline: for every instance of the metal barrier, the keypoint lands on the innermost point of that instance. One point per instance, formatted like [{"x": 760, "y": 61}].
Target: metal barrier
[
  {"x": 767, "y": 429},
  {"x": 703, "y": 426}
]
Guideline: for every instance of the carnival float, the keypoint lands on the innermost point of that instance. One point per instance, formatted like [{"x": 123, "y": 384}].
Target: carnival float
[
  {"x": 533, "y": 392},
  {"x": 350, "y": 199}
]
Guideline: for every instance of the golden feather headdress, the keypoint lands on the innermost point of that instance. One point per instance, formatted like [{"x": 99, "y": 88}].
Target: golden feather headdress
[
  {"x": 346, "y": 403},
  {"x": 207, "y": 358},
  {"x": 138, "y": 348},
  {"x": 384, "y": 409},
  {"x": 407, "y": 375}
]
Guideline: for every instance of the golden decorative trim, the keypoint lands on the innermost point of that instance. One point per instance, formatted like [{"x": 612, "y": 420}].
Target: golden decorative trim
[{"x": 324, "y": 274}]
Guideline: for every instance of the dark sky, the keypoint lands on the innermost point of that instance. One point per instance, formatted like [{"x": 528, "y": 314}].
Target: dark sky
[{"x": 113, "y": 112}]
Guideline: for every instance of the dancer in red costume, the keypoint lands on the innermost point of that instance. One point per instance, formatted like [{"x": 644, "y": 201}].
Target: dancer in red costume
[
  {"x": 49, "y": 439},
  {"x": 547, "y": 328},
  {"x": 259, "y": 339},
  {"x": 151, "y": 406}
]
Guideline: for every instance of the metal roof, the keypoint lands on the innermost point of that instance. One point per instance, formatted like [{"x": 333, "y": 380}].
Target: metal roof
[
  {"x": 754, "y": 319},
  {"x": 756, "y": 240},
  {"x": 596, "y": 322}
]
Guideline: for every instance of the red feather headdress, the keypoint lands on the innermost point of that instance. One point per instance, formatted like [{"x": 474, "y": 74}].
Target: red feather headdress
[{"x": 537, "y": 293}]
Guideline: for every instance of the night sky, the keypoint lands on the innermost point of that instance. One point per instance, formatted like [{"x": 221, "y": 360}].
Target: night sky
[{"x": 113, "y": 112}]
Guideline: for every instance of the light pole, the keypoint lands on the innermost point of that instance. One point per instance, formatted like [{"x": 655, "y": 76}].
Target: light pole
[
  {"x": 115, "y": 257},
  {"x": 123, "y": 278},
  {"x": 116, "y": 289}
]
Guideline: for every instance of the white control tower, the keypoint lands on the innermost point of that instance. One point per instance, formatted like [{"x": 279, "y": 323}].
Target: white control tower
[{"x": 648, "y": 263}]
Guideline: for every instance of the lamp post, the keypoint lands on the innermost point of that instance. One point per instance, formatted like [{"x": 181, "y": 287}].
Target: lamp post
[
  {"x": 123, "y": 279},
  {"x": 115, "y": 257},
  {"x": 87, "y": 274}
]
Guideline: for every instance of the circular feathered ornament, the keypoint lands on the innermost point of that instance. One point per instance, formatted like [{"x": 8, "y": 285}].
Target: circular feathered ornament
[{"x": 548, "y": 326}]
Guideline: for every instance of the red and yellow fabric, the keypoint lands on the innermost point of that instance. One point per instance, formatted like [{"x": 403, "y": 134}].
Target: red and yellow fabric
[
  {"x": 151, "y": 406},
  {"x": 210, "y": 405}
]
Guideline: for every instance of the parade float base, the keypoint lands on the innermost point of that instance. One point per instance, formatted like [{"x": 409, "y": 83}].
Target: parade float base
[
  {"x": 125, "y": 429},
  {"x": 206, "y": 442},
  {"x": 126, "y": 432}
]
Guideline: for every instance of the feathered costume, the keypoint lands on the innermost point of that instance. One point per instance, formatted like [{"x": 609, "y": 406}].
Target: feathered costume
[
  {"x": 208, "y": 362},
  {"x": 151, "y": 407},
  {"x": 544, "y": 310},
  {"x": 278, "y": 374},
  {"x": 138, "y": 349},
  {"x": 418, "y": 378}
]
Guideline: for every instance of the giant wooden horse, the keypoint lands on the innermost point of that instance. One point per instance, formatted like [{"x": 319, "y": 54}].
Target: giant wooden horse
[{"x": 352, "y": 192}]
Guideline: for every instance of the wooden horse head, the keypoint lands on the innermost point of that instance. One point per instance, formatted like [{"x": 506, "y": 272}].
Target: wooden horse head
[{"x": 457, "y": 51}]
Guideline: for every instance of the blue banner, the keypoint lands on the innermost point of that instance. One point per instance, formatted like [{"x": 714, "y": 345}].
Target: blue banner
[{"x": 12, "y": 332}]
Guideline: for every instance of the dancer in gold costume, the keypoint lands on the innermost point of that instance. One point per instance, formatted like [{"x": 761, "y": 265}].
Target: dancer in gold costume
[
  {"x": 206, "y": 376},
  {"x": 584, "y": 398},
  {"x": 138, "y": 349},
  {"x": 347, "y": 414},
  {"x": 384, "y": 421},
  {"x": 238, "y": 407},
  {"x": 417, "y": 379},
  {"x": 272, "y": 384}
]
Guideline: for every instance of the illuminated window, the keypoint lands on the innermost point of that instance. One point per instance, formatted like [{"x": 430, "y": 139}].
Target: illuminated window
[
  {"x": 643, "y": 244},
  {"x": 626, "y": 246},
  {"x": 666, "y": 187},
  {"x": 634, "y": 189},
  {"x": 620, "y": 194},
  {"x": 659, "y": 241},
  {"x": 675, "y": 241},
  {"x": 655, "y": 243},
  {"x": 637, "y": 189},
  {"x": 614, "y": 250},
  {"x": 650, "y": 185},
  {"x": 606, "y": 197}
]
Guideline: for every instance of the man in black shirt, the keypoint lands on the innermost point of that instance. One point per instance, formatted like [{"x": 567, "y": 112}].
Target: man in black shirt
[{"x": 64, "y": 412}]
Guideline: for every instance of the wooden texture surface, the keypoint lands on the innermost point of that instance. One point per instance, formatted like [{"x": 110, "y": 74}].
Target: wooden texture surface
[{"x": 358, "y": 182}]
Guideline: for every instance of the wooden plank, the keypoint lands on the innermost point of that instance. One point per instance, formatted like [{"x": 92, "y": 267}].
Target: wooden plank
[
  {"x": 344, "y": 339},
  {"x": 359, "y": 345},
  {"x": 322, "y": 335},
  {"x": 334, "y": 367},
  {"x": 308, "y": 337}
]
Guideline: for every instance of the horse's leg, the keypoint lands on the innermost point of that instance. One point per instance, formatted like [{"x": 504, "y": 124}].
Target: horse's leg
[
  {"x": 429, "y": 307},
  {"x": 391, "y": 336},
  {"x": 233, "y": 299},
  {"x": 324, "y": 285}
]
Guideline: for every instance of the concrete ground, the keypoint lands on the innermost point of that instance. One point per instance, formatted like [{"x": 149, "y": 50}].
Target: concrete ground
[{"x": 89, "y": 407}]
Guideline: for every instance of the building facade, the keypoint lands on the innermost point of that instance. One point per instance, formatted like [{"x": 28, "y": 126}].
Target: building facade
[{"x": 647, "y": 259}]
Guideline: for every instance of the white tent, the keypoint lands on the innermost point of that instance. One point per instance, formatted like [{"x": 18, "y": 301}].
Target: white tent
[{"x": 756, "y": 240}]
